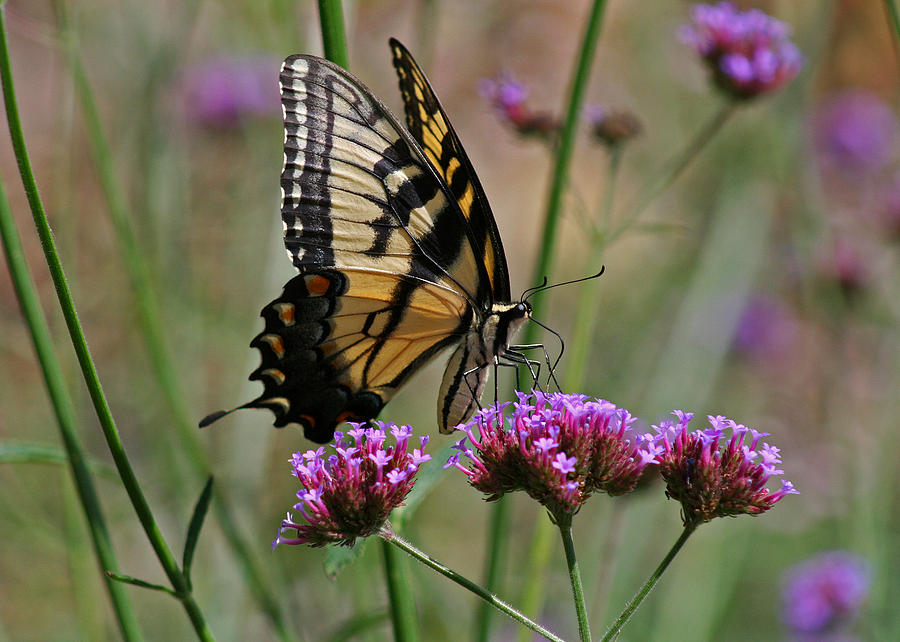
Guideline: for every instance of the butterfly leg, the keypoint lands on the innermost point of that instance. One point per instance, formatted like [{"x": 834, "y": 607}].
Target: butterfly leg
[
  {"x": 551, "y": 367},
  {"x": 513, "y": 358}
]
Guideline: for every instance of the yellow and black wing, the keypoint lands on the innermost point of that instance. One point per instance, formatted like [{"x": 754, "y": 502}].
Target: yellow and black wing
[
  {"x": 430, "y": 126},
  {"x": 389, "y": 275}
]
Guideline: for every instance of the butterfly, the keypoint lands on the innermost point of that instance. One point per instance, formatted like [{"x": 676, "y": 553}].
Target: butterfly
[{"x": 398, "y": 254}]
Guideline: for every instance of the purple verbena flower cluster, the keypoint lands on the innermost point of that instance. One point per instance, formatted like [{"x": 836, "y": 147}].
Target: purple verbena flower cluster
[
  {"x": 823, "y": 591},
  {"x": 748, "y": 52},
  {"x": 558, "y": 448},
  {"x": 715, "y": 476},
  {"x": 508, "y": 96},
  {"x": 350, "y": 494}
]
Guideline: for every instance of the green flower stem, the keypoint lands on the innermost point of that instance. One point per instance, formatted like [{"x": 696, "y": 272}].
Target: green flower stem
[
  {"x": 466, "y": 583},
  {"x": 403, "y": 603},
  {"x": 151, "y": 326},
  {"x": 586, "y": 318},
  {"x": 62, "y": 403},
  {"x": 538, "y": 554},
  {"x": 564, "y": 523},
  {"x": 674, "y": 168},
  {"x": 608, "y": 549},
  {"x": 566, "y": 146},
  {"x": 498, "y": 531},
  {"x": 891, "y": 7},
  {"x": 586, "y": 311},
  {"x": 614, "y": 630},
  {"x": 110, "y": 432},
  {"x": 539, "y": 549},
  {"x": 334, "y": 40}
]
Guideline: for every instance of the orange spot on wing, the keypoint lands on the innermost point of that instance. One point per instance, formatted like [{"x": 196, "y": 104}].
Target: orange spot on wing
[
  {"x": 286, "y": 313},
  {"x": 309, "y": 419},
  {"x": 347, "y": 415},
  {"x": 275, "y": 343},
  {"x": 317, "y": 285}
]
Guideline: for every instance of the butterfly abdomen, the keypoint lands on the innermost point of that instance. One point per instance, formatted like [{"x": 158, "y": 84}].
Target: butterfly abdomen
[{"x": 469, "y": 365}]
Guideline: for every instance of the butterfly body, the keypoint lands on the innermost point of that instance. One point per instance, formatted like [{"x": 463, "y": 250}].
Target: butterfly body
[{"x": 397, "y": 251}]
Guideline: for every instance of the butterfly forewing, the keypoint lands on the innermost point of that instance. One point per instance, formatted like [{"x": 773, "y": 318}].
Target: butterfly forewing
[{"x": 430, "y": 126}]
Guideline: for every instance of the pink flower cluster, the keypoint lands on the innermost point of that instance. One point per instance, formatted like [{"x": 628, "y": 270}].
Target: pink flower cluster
[
  {"x": 507, "y": 96},
  {"x": 350, "y": 494},
  {"x": 748, "y": 52},
  {"x": 558, "y": 448},
  {"x": 715, "y": 476}
]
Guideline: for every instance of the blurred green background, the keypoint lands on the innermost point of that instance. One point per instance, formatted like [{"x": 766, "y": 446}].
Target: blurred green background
[{"x": 762, "y": 285}]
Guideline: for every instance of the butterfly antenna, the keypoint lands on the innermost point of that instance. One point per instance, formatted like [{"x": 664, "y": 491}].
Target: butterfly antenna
[
  {"x": 527, "y": 293},
  {"x": 543, "y": 287}
]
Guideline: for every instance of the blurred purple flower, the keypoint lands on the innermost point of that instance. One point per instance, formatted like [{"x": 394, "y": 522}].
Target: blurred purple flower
[
  {"x": 351, "y": 493},
  {"x": 714, "y": 477},
  {"x": 507, "y": 96},
  {"x": 558, "y": 448},
  {"x": 855, "y": 131},
  {"x": 824, "y": 591},
  {"x": 223, "y": 93},
  {"x": 748, "y": 52},
  {"x": 765, "y": 329}
]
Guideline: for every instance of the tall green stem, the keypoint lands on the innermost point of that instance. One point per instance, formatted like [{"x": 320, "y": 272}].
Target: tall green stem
[
  {"x": 632, "y": 606},
  {"x": 890, "y": 7},
  {"x": 89, "y": 372},
  {"x": 334, "y": 40},
  {"x": 674, "y": 168},
  {"x": 586, "y": 311},
  {"x": 402, "y": 601},
  {"x": 586, "y": 317},
  {"x": 498, "y": 531},
  {"x": 466, "y": 583},
  {"x": 151, "y": 326},
  {"x": 63, "y": 408},
  {"x": 564, "y": 523},
  {"x": 539, "y": 550},
  {"x": 560, "y": 177}
]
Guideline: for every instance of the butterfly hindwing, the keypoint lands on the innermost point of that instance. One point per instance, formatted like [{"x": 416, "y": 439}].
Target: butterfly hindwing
[{"x": 336, "y": 346}]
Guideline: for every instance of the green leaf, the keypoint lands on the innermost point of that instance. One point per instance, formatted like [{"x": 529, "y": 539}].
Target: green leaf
[
  {"x": 194, "y": 527},
  {"x": 340, "y": 556},
  {"x": 27, "y": 453},
  {"x": 127, "y": 579}
]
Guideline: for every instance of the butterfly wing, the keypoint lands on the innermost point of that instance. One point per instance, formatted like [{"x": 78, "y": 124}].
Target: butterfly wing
[
  {"x": 388, "y": 276},
  {"x": 468, "y": 368},
  {"x": 430, "y": 126}
]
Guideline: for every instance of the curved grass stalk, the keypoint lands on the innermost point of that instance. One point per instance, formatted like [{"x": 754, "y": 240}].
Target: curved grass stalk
[
  {"x": 89, "y": 372},
  {"x": 65, "y": 412},
  {"x": 151, "y": 326}
]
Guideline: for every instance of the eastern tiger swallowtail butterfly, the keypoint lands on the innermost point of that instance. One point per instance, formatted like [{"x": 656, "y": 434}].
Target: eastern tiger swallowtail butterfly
[{"x": 398, "y": 253}]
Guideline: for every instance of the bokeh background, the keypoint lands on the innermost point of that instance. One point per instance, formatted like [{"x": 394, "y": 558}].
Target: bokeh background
[{"x": 763, "y": 285}]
